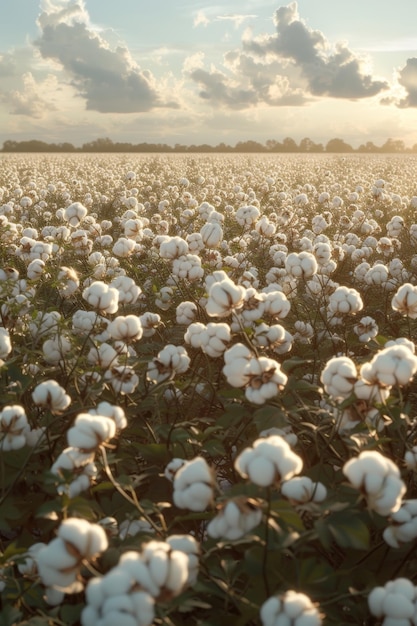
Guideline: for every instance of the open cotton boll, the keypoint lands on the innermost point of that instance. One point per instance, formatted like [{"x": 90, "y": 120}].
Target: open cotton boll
[
  {"x": 405, "y": 300},
  {"x": 191, "y": 547},
  {"x": 116, "y": 413},
  {"x": 5, "y": 343},
  {"x": 339, "y": 377},
  {"x": 235, "y": 518},
  {"x": 289, "y": 609},
  {"x": 224, "y": 297},
  {"x": 75, "y": 213},
  {"x": 13, "y": 428},
  {"x": 302, "y": 489},
  {"x": 171, "y": 360},
  {"x": 395, "y": 365},
  {"x": 126, "y": 328},
  {"x": 51, "y": 395},
  {"x": 264, "y": 379},
  {"x": 90, "y": 431},
  {"x": 193, "y": 485},
  {"x": 394, "y": 601},
  {"x": 102, "y": 297},
  {"x": 379, "y": 478},
  {"x": 237, "y": 359},
  {"x": 403, "y": 527},
  {"x": 85, "y": 538},
  {"x": 270, "y": 460}
]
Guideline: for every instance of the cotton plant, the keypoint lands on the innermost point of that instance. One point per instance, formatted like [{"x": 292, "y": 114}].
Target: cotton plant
[
  {"x": 291, "y": 607},
  {"x": 379, "y": 480}
]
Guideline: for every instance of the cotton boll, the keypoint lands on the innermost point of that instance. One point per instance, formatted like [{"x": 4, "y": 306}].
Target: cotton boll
[
  {"x": 302, "y": 489},
  {"x": 90, "y": 431},
  {"x": 13, "y": 428},
  {"x": 268, "y": 461},
  {"x": 51, "y": 395},
  {"x": 339, "y": 377},
  {"x": 193, "y": 485}
]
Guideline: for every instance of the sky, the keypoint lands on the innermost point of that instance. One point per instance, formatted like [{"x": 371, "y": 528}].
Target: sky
[{"x": 191, "y": 72}]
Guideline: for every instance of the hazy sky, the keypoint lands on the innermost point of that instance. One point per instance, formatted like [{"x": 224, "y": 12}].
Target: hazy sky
[{"x": 187, "y": 71}]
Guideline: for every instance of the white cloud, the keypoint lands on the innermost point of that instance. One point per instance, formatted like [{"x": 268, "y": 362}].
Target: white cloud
[
  {"x": 33, "y": 100},
  {"x": 201, "y": 19},
  {"x": 109, "y": 80}
]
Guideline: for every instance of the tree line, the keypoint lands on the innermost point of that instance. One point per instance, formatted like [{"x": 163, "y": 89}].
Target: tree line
[{"x": 306, "y": 145}]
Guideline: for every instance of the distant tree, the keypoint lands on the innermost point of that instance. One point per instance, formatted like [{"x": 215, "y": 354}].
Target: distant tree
[
  {"x": 273, "y": 146},
  {"x": 338, "y": 145},
  {"x": 393, "y": 145},
  {"x": 369, "y": 146},
  {"x": 289, "y": 145},
  {"x": 103, "y": 144},
  {"x": 249, "y": 146},
  {"x": 307, "y": 145}
]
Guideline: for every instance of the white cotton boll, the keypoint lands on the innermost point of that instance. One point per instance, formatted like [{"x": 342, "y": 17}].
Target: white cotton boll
[
  {"x": 302, "y": 489},
  {"x": 375, "y": 601},
  {"x": 5, "y": 343},
  {"x": 86, "y": 538},
  {"x": 301, "y": 265},
  {"x": 186, "y": 312},
  {"x": 173, "y": 247},
  {"x": 144, "y": 607},
  {"x": 261, "y": 471},
  {"x": 193, "y": 485},
  {"x": 116, "y": 413},
  {"x": 75, "y": 213},
  {"x": 211, "y": 235},
  {"x": 405, "y": 300},
  {"x": 116, "y": 582},
  {"x": 53, "y": 597},
  {"x": 177, "y": 572},
  {"x": 270, "y": 610},
  {"x": 224, "y": 297},
  {"x": 35, "y": 269},
  {"x": 339, "y": 377},
  {"x": 128, "y": 290},
  {"x": 172, "y": 468},
  {"x": 396, "y": 605},
  {"x": 56, "y": 349},
  {"x": 126, "y": 328},
  {"x": 90, "y": 431},
  {"x": 56, "y": 566},
  {"x": 104, "y": 356},
  {"x": 13, "y": 428},
  {"x": 102, "y": 297},
  {"x": 51, "y": 395}
]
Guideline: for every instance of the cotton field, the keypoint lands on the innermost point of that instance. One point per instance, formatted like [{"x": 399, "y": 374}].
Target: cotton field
[{"x": 208, "y": 390}]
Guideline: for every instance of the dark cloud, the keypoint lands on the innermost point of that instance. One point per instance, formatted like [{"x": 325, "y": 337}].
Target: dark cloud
[
  {"x": 337, "y": 73},
  {"x": 109, "y": 80},
  {"x": 407, "y": 77}
]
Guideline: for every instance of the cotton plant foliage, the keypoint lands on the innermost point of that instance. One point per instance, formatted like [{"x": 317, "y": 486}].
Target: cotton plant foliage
[{"x": 208, "y": 389}]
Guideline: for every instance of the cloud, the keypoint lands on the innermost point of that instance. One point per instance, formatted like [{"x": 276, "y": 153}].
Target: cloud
[
  {"x": 407, "y": 77},
  {"x": 201, "y": 19},
  {"x": 7, "y": 65},
  {"x": 288, "y": 68},
  {"x": 109, "y": 80},
  {"x": 236, "y": 18},
  {"x": 29, "y": 101},
  {"x": 328, "y": 71}
]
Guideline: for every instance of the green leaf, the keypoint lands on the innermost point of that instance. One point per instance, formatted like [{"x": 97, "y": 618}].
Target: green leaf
[
  {"x": 349, "y": 530},
  {"x": 9, "y": 616}
]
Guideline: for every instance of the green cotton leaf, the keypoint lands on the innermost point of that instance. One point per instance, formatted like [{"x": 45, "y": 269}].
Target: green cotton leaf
[
  {"x": 269, "y": 417},
  {"x": 156, "y": 453},
  {"x": 214, "y": 447},
  {"x": 291, "y": 364},
  {"x": 349, "y": 531},
  {"x": 9, "y": 615},
  {"x": 286, "y": 513}
]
